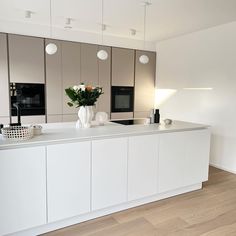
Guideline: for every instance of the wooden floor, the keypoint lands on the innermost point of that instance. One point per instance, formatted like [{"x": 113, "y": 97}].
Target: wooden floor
[{"x": 208, "y": 212}]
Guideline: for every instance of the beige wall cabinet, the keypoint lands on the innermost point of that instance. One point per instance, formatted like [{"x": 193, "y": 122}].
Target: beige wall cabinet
[
  {"x": 97, "y": 72},
  {"x": 122, "y": 67},
  {"x": 26, "y": 59},
  {"x": 4, "y": 83},
  {"x": 144, "y": 84},
  {"x": 104, "y": 80},
  {"x": 70, "y": 72},
  {"x": 54, "y": 80}
]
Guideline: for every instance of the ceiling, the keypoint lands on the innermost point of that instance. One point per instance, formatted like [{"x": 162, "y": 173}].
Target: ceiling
[{"x": 165, "y": 18}]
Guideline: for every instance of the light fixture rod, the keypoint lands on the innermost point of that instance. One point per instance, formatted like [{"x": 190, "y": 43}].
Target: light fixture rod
[
  {"x": 144, "y": 25},
  {"x": 103, "y": 28},
  {"x": 50, "y": 13}
]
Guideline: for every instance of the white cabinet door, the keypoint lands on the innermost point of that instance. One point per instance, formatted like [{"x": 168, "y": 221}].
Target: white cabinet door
[
  {"x": 22, "y": 189},
  {"x": 109, "y": 172},
  {"x": 68, "y": 171},
  {"x": 142, "y": 166},
  {"x": 183, "y": 159}
]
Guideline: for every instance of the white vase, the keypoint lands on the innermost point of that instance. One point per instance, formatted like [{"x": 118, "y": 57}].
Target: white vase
[{"x": 85, "y": 115}]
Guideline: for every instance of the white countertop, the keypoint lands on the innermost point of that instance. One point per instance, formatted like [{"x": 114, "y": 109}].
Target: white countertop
[{"x": 56, "y": 133}]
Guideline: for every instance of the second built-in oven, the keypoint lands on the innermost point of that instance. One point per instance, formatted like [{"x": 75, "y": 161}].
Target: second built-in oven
[{"x": 122, "y": 99}]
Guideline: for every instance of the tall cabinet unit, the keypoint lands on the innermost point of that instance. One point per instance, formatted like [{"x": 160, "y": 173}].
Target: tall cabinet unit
[
  {"x": 54, "y": 83},
  {"x": 26, "y": 65},
  {"x": 122, "y": 73},
  {"x": 4, "y": 88},
  {"x": 144, "y": 85},
  {"x": 104, "y": 80},
  {"x": 70, "y": 76}
]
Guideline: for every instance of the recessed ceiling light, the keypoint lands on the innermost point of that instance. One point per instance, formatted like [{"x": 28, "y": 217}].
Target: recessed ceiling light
[
  {"x": 133, "y": 32},
  {"x": 68, "y": 23},
  {"x": 28, "y": 14}
]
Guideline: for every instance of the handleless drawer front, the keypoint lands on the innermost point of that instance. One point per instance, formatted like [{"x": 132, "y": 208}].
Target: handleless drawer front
[
  {"x": 23, "y": 189},
  {"x": 142, "y": 166},
  {"x": 109, "y": 172},
  {"x": 68, "y": 172}
]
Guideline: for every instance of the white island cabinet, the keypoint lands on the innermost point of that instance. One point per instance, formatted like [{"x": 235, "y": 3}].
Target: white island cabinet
[
  {"x": 109, "y": 172},
  {"x": 68, "y": 180},
  {"x": 183, "y": 159},
  {"x": 22, "y": 189},
  {"x": 67, "y": 176},
  {"x": 142, "y": 166}
]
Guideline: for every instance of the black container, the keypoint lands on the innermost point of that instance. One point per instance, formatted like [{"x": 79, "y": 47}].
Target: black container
[
  {"x": 1, "y": 126},
  {"x": 157, "y": 116}
]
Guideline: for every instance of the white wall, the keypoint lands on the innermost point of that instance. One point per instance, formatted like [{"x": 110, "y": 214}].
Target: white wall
[{"x": 205, "y": 59}]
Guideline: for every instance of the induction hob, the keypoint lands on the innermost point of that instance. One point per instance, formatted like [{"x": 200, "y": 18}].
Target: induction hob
[{"x": 130, "y": 122}]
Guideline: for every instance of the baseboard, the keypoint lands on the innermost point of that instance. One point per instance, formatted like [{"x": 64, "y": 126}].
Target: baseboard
[{"x": 222, "y": 168}]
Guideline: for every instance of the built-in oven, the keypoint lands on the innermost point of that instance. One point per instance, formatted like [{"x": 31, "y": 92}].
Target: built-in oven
[
  {"x": 122, "y": 99},
  {"x": 30, "y": 97}
]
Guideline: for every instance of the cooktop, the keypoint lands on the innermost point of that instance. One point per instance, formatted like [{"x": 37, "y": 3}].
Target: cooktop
[{"x": 130, "y": 122}]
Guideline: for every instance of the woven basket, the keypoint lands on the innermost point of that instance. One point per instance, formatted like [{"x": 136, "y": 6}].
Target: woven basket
[{"x": 17, "y": 133}]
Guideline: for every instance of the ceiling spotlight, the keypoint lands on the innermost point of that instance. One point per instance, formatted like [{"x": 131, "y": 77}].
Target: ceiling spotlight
[
  {"x": 68, "y": 23},
  {"x": 133, "y": 32},
  {"x": 28, "y": 14}
]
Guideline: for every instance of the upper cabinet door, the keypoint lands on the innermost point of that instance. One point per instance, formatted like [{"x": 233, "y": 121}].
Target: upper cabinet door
[
  {"x": 104, "y": 80},
  {"x": 89, "y": 64},
  {"x": 26, "y": 59},
  {"x": 70, "y": 71},
  {"x": 4, "y": 88},
  {"x": 122, "y": 67},
  {"x": 144, "y": 82},
  {"x": 54, "y": 80}
]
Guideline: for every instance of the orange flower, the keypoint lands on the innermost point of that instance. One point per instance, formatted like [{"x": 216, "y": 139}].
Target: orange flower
[{"x": 89, "y": 88}]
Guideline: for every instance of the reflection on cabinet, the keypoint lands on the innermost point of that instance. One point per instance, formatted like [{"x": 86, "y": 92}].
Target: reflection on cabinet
[
  {"x": 187, "y": 156},
  {"x": 26, "y": 59},
  {"x": 23, "y": 189},
  {"x": 68, "y": 174},
  {"x": 144, "y": 83},
  {"x": 122, "y": 115},
  {"x": 109, "y": 172},
  {"x": 122, "y": 67},
  {"x": 4, "y": 87},
  {"x": 54, "y": 80},
  {"x": 142, "y": 166}
]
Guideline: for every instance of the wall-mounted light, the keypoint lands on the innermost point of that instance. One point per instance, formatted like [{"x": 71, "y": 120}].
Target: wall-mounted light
[{"x": 51, "y": 48}]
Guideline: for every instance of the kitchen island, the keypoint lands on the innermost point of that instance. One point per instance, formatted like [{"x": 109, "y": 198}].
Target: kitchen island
[{"x": 66, "y": 176}]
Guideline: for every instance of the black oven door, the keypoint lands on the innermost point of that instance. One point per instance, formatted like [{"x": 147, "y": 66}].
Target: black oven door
[
  {"x": 122, "y": 99},
  {"x": 31, "y": 98}
]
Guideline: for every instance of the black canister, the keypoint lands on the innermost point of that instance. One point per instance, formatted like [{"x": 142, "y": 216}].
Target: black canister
[
  {"x": 157, "y": 116},
  {"x": 1, "y": 126}
]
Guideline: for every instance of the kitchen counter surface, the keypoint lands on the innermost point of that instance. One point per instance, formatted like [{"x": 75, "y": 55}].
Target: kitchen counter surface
[{"x": 66, "y": 132}]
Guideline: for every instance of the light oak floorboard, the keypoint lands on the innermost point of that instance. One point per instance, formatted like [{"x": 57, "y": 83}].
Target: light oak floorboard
[{"x": 207, "y": 212}]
